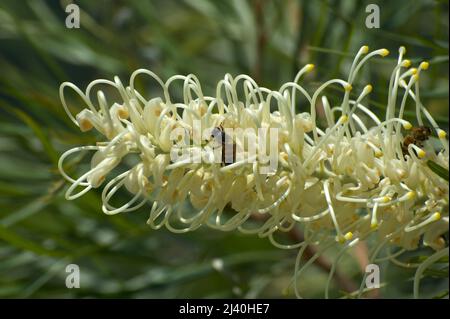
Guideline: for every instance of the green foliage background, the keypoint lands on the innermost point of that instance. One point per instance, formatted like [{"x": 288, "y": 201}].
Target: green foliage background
[{"x": 120, "y": 256}]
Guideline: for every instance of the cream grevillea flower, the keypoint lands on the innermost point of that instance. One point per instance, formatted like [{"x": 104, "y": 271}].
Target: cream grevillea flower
[{"x": 341, "y": 183}]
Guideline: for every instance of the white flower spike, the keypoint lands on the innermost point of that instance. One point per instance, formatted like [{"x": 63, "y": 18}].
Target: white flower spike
[{"x": 360, "y": 176}]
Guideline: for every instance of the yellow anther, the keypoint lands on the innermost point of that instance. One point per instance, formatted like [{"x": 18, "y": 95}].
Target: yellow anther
[
  {"x": 402, "y": 50},
  {"x": 365, "y": 49},
  {"x": 385, "y": 199},
  {"x": 384, "y": 52},
  {"x": 374, "y": 225},
  {"x": 378, "y": 153},
  {"x": 309, "y": 67},
  {"x": 411, "y": 195},
  {"x": 436, "y": 216},
  {"x": 407, "y": 125},
  {"x": 421, "y": 153},
  {"x": 344, "y": 118},
  {"x": 424, "y": 65},
  {"x": 414, "y": 71},
  {"x": 368, "y": 88},
  {"x": 348, "y": 87},
  {"x": 442, "y": 134},
  {"x": 416, "y": 77},
  {"x": 348, "y": 236},
  {"x": 406, "y": 63}
]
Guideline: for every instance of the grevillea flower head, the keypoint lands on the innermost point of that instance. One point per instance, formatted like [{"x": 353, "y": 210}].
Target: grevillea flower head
[{"x": 359, "y": 176}]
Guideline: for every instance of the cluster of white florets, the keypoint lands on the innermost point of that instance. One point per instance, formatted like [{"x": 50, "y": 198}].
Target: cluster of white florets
[{"x": 341, "y": 183}]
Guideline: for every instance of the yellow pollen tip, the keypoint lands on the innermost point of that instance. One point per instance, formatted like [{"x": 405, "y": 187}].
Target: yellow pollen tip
[
  {"x": 385, "y": 199},
  {"x": 414, "y": 71},
  {"x": 348, "y": 87},
  {"x": 416, "y": 77},
  {"x": 344, "y": 118},
  {"x": 406, "y": 63},
  {"x": 402, "y": 50},
  {"x": 411, "y": 195},
  {"x": 442, "y": 134},
  {"x": 384, "y": 52},
  {"x": 309, "y": 67},
  {"x": 421, "y": 153},
  {"x": 368, "y": 88},
  {"x": 424, "y": 65},
  {"x": 348, "y": 236},
  {"x": 407, "y": 126},
  {"x": 374, "y": 225},
  {"x": 365, "y": 49},
  {"x": 436, "y": 216},
  {"x": 378, "y": 153}
]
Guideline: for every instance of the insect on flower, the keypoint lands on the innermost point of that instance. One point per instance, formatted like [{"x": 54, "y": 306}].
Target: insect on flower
[
  {"x": 417, "y": 136},
  {"x": 226, "y": 145}
]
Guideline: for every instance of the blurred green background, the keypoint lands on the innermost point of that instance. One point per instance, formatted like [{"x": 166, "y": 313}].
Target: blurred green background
[{"x": 120, "y": 256}]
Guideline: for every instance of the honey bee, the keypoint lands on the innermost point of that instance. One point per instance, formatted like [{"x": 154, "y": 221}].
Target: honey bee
[
  {"x": 226, "y": 143},
  {"x": 417, "y": 136}
]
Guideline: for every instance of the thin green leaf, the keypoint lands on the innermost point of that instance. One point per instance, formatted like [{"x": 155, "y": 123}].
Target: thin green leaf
[{"x": 438, "y": 169}]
